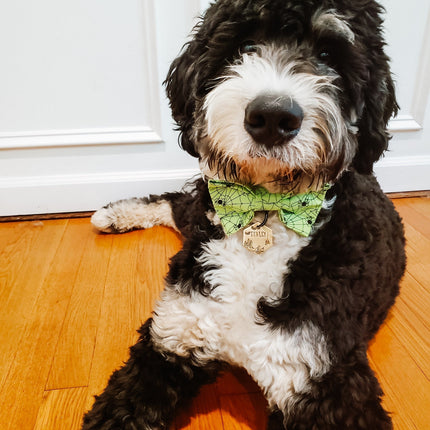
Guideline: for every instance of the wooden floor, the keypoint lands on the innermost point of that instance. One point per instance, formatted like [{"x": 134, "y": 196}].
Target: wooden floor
[{"x": 72, "y": 299}]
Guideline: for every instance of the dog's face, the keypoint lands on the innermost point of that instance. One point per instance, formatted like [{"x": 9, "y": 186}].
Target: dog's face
[{"x": 284, "y": 93}]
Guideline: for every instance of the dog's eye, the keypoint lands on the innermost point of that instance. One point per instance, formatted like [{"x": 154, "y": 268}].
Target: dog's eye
[
  {"x": 332, "y": 51},
  {"x": 324, "y": 55},
  {"x": 328, "y": 57},
  {"x": 248, "y": 47}
]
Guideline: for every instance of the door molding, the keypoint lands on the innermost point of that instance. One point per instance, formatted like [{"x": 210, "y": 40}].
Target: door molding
[
  {"x": 141, "y": 133},
  {"x": 79, "y": 137}
]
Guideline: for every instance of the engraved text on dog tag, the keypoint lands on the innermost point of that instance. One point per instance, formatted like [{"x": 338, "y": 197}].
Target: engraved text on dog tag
[{"x": 257, "y": 238}]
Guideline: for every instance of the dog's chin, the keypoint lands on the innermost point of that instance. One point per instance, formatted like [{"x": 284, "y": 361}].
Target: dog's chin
[{"x": 274, "y": 174}]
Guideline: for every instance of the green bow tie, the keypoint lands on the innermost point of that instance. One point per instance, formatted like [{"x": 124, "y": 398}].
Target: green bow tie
[{"x": 235, "y": 205}]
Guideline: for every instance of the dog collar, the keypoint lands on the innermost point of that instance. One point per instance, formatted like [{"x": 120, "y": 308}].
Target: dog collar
[{"x": 236, "y": 204}]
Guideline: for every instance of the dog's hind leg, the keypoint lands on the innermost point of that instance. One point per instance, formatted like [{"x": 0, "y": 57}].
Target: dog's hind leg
[
  {"x": 276, "y": 420},
  {"x": 348, "y": 397},
  {"x": 145, "y": 393}
]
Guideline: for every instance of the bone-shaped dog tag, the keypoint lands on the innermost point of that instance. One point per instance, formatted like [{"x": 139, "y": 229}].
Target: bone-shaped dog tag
[{"x": 257, "y": 238}]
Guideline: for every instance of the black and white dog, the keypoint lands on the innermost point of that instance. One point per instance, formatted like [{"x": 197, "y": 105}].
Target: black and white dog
[{"x": 285, "y": 103}]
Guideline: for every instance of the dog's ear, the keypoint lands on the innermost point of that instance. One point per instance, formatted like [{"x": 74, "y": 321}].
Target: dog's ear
[
  {"x": 189, "y": 76},
  {"x": 379, "y": 105},
  {"x": 181, "y": 91}
]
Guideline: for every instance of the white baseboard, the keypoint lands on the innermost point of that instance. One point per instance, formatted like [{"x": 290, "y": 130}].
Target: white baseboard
[
  {"x": 403, "y": 174},
  {"x": 85, "y": 192}
]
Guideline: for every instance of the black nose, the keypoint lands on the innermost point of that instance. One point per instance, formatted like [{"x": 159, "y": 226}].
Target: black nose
[{"x": 273, "y": 120}]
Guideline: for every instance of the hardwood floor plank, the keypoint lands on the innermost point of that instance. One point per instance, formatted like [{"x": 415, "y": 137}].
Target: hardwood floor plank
[
  {"x": 413, "y": 334},
  {"x": 61, "y": 409},
  {"x": 74, "y": 352},
  {"x": 418, "y": 256},
  {"x": 22, "y": 393},
  {"x": 203, "y": 413},
  {"x": 400, "y": 420},
  {"x": 418, "y": 243},
  {"x": 244, "y": 411},
  {"x": 135, "y": 278},
  {"x": 26, "y": 252},
  {"x": 118, "y": 321},
  {"x": 401, "y": 379},
  {"x": 421, "y": 205},
  {"x": 415, "y": 217}
]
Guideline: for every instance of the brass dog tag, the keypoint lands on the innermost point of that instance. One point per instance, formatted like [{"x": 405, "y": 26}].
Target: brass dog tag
[{"x": 257, "y": 239}]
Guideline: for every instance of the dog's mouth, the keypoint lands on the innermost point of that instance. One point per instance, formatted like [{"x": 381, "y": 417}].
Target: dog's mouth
[{"x": 273, "y": 174}]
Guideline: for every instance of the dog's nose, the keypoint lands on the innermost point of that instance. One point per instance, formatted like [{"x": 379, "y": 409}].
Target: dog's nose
[{"x": 273, "y": 120}]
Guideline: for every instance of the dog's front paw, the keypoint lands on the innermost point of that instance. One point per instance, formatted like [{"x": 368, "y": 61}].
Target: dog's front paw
[
  {"x": 122, "y": 216},
  {"x": 106, "y": 220},
  {"x": 132, "y": 214}
]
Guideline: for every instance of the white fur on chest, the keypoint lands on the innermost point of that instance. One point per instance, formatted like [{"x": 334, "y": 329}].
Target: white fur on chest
[{"x": 224, "y": 325}]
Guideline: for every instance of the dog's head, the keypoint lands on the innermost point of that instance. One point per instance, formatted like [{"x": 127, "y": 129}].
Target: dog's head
[{"x": 284, "y": 92}]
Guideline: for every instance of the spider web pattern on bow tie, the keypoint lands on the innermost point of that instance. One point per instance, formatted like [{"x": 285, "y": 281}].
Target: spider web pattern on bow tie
[
  {"x": 230, "y": 201},
  {"x": 236, "y": 204},
  {"x": 303, "y": 213}
]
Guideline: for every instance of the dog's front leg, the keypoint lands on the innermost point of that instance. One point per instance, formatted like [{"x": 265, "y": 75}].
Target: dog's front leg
[
  {"x": 135, "y": 213},
  {"x": 181, "y": 210},
  {"x": 145, "y": 393}
]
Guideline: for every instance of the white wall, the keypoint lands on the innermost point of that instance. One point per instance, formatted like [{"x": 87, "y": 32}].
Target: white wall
[
  {"x": 406, "y": 167},
  {"x": 84, "y": 119}
]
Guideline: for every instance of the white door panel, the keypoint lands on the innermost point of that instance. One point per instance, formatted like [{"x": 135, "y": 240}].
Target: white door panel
[
  {"x": 406, "y": 167},
  {"x": 82, "y": 68}
]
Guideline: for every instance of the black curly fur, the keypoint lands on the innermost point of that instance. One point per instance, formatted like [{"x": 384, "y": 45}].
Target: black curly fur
[
  {"x": 147, "y": 390},
  {"x": 344, "y": 281}
]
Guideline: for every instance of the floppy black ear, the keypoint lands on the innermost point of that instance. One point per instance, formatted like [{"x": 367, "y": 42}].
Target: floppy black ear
[
  {"x": 379, "y": 104},
  {"x": 181, "y": 93},
  {"x": 190, "y": 74},
  {"x": 180, "y": 87}
]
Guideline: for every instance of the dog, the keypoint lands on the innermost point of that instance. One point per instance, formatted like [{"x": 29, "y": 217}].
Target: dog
[{"x": 292, "y": 254}]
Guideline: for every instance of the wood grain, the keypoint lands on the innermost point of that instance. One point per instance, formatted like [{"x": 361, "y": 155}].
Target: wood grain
[
  {"x": 204, "y": 412},
  {"x": 22, "y": 392},
  {"x": 22, "y": 271},
  {"x": 399, "y": 376},
  {"x": 134, "y": 279},
  {"x": 73, "y": 355},
  {"x": 61, "y": 409},
  {"x": 244, "y": 411},
  {"x": 72, "y": 299}
]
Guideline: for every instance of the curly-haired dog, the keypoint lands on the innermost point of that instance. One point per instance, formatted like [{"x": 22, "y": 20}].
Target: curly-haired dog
[{"x": 292, "y": 254}]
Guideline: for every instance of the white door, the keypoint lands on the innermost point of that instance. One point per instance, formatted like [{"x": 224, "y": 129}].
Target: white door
[
  {"x": 406, "y": 167},
  {"x": 84, "y": 119},
  {"x": 83, "y": 116}
]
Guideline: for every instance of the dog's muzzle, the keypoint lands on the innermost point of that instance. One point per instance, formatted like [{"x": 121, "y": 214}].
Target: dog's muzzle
[{"x": 273, "y": 120}]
